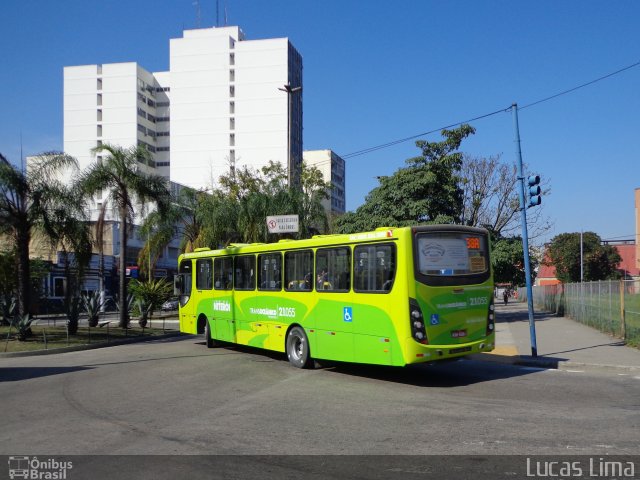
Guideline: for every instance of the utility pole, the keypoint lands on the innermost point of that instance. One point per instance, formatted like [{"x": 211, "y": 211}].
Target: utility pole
[
  {"x": 525, "y": 233},
  {"x": 291, "y": 175}
]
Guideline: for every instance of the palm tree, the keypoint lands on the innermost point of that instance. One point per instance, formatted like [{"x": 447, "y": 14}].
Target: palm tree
[
  {"x": 127, "y": 186},
  {"x": 159, "y": 230},
  {"x": 30, "y": 202}
]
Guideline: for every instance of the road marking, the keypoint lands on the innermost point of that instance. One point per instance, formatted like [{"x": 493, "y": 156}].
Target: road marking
[
  {"x": 575, "y": 371},
  {"x": 507, "y": 350}
]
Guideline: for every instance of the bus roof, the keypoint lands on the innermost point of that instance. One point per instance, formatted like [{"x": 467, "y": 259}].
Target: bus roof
[{"x": 380, "y": 234}]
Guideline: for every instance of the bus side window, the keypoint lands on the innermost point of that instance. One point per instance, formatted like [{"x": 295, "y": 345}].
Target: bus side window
[
  {"x": 223, "y": 273},
  {"x": 333, "y": 269},
  {"x": 244, "y": 272},
  {"x": 298, "y": 266},
  {"x": 376, "y": 268}
]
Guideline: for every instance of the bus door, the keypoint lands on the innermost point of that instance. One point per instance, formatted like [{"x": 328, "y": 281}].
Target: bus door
[
  {"x": 182, "y": 288},
  {"x": 223, "y": 325}
]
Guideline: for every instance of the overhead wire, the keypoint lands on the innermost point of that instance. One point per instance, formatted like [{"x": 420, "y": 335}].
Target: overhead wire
[{"x": 502, "y": 110}]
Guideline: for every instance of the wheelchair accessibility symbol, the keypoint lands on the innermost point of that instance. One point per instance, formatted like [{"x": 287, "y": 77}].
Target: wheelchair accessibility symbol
[{"x": 347, "y": 314}]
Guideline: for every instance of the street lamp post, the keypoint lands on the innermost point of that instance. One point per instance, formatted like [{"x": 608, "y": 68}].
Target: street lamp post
[{"x": 290, "y": 91}]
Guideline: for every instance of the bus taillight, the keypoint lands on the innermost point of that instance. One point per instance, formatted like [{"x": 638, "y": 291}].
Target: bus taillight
[
  {"x": 418, "y": 331},
  {"x": 491, "y": 321}
]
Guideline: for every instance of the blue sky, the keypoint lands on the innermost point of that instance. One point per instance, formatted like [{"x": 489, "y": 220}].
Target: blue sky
[{"x": 377, "y": 71}]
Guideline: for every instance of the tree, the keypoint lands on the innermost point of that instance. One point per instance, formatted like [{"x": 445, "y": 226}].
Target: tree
[
  {"x": 32, "y": 202},
  {"x": 237, "y": 211},
  {"x": 426, "y": 190},
  {"x": 599, "y": 261},
  {"x": 507, "y": 258},
  {"x": 127, "y": 187},
  {"x": 150, "y": 296},
  {"x": 179, "y": 220},
  {"x": 490, "y": 198}
]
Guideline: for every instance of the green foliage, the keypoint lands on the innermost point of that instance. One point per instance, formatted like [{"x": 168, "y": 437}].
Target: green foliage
[
  {"x": 150, "y": 295},
  {"x": 427, "y": 190},
  {"x": 600, "y": 262},
  {"x": 237, "y": 211},
  {"x": 72, "y": 311},
  {"x": 92, "y": 306},
  {"x": 508, "y": 261},
  {"x": 31, "y": 202},
  {"x": 8, "y": 309},
  {"x": 127, "y": 185},
  {"x": 143, "y": 311},
  {"x": 22, "y": 324}
]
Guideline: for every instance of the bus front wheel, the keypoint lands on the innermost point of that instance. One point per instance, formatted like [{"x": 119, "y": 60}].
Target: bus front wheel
[{"x": 298, "y": 348}]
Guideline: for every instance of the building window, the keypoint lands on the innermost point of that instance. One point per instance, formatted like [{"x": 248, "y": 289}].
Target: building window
[
  {"x": 99, "y": 143},
  {"x": 151, "y": 118},
  {"x": 232, "y": 75},
  {"x": 99, "y": 130},
  {"x": 232, "y": 91},
  {"x": 99, "y": 99},
  {"x": 232, "y": 139},
  {"x": 232, "y": 59},
  {"x": 99, "y": 84},
  {"x": 162, "y": 149},
  {"x": 232, "y": 107},
  {"x": 142, "y": 129},
  {"x": 232, "y": 123},
  {"x": 163, "y": 164},
  {"x": 58, "y": 287},
  {"x": 142, "y": 113},
  {"x": 162, "y": 119},
  {"x": 99, "y": 115},
  {"x": 162, "y": 104},
  {"x": 232, "y": 156}
]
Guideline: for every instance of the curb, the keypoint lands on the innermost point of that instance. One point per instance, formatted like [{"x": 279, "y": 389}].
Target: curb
[
  {"x": 78, "y": 348},
  {"x": 547, "y": 363}
]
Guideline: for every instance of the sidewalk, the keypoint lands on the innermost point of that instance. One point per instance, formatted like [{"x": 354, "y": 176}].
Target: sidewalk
[{"x": 562, "y": 343}]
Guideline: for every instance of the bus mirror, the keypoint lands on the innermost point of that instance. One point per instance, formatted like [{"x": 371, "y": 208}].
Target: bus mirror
[{"x": 177, "y": 284}]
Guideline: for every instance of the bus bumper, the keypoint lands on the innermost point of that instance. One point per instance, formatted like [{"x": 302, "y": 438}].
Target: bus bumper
[{"x": 419, "y": 353}]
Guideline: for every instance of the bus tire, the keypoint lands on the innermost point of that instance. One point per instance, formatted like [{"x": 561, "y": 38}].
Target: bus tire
[
  {"x": 297, "y": 347},
  {"x": 207, "y": 335}
]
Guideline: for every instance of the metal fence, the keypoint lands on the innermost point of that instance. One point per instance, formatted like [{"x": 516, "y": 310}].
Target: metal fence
[{"x": 611, "y": 306}]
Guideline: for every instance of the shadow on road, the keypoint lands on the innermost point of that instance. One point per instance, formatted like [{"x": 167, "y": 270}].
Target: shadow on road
[
  {"x": 443, "y": 375},
  {"x": 15, "y": 374}
]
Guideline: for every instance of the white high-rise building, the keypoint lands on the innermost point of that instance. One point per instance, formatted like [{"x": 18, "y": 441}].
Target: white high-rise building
[
  {"x": 219, "y": 106},
  {"x": 332, "y": 167}
]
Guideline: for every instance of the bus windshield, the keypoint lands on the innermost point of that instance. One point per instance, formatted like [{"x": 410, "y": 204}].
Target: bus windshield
[{"x": 442, "y": 254}]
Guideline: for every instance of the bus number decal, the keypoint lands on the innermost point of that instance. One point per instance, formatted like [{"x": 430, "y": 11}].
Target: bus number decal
[
  {"x": 288, "y": 312},
  {"x": 478, "y": 301}
]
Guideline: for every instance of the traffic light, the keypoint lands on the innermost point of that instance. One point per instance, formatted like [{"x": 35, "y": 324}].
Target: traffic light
[{"x": 535, "y": 193}]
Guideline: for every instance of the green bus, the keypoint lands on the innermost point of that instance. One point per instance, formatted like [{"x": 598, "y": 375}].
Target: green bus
[{"x": 394, "y": 296}]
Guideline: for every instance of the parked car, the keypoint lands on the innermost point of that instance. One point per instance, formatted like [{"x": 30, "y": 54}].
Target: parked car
[{"x": 171, "y": 304}]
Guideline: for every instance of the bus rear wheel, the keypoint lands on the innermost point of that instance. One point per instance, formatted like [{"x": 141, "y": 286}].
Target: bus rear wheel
[
  {"x": 298, "y": 348},
  {"x": 207, "y": 335}
]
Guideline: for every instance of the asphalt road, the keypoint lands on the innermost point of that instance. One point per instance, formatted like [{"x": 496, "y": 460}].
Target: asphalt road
[{"x": 177, "y": 397}]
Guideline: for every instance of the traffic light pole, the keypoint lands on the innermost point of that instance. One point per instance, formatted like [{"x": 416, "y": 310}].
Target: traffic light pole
[{"x": 525, "y": 234}]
